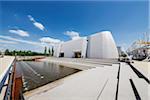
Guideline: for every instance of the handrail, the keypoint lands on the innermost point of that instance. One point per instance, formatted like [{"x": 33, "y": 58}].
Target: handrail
[
  {"x": 2, "y": 83},
  {"x": 11, "y": 92},
  {"x": 4, "y": 79},
  {"x": 8, "y": 92}
]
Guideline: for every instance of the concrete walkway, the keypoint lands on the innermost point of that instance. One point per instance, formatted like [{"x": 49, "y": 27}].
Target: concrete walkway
[
  {"x": 143, "y": 67},
  {"x": 80, "y": 63},
  {"x": 96, "y": 82},
  {"x": 85, "y": 85},
  {"x": 5, "y": 63}
]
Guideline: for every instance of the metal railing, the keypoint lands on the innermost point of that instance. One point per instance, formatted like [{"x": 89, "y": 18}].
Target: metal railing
[
  {"x": 8, "y": 93},
  {"x": 2, "y": 82},
  {"x": 10, "y": 90}
]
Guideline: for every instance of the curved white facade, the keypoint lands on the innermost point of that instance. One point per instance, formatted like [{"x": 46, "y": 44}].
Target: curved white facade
[
  {"x": 99, "y": 45},
  {"x": 102, "y": 45}
]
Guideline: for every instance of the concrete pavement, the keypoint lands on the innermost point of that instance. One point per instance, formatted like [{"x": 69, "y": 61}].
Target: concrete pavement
[{"x": 97, "y": 81}]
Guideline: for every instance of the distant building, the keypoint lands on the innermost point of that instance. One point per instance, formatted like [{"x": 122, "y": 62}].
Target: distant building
[
  {"x": 120, "y": 51},
  {"x": 98, "y": 45},
  {"x": 139, "y": 50}
]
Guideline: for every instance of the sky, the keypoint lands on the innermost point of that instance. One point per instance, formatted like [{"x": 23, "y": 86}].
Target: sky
[{"x": 31, "y": 25}]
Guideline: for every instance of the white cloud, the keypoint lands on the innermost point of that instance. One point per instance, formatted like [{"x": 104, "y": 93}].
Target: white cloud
[
  {"x": 35, "y": 23},
  {"x": 35, "y": 46},
  {"x": 39, "y": 25},
  {"x": 72, "y": 34},
  {"x": 31, "y": 18},
  {"x": 49, "y": 40},
  {"x": 45, "y": 41},
  {"x": 19, "y": 32},
  {"x": 22, "y": 41},
  {"x": 7, "y": 42}
]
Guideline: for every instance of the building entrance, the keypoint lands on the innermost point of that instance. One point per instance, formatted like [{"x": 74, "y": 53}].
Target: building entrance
[
  {"x": 77, "y": 54},
  {"x": 61, "y": 54}
]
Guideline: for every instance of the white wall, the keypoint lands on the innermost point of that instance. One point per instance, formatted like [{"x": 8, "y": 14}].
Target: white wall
[
  {"x": 102, "y": 45},
  {"x": 72, "y": 46},
  {"x": 84, "y": 48},
  {"x": 57, "y": 49}
]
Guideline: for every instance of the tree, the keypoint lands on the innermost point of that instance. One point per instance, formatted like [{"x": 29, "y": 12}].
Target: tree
[
  {"x": 52, "y": 51},
  {"x": 49, "y": 51},
  {"x": 14, "y": 52},
  {"x": 45, "y": 51},
  {"x": 7, "y": 52},
  {"x": 23, "y": 53}
]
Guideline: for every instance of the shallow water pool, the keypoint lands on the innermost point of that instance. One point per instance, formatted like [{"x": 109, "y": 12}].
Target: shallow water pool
[{"x": 36, "y": 74}]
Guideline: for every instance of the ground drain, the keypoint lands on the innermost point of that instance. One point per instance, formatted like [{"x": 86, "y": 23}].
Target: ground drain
[
  {"x": 139, "y": 74},
  {"x": 118, "y": 76},
  {"x": 135, "y": 90}
]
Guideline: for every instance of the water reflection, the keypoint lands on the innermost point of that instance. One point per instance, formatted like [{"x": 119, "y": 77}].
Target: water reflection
[{"x": 36, "y": 74}]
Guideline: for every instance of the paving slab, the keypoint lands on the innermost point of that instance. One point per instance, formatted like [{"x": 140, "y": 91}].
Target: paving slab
[
  {"x": 5, "y": 63},
  {"x": 143, "y": 67},
  {"x": 109, "y": 91},
  {"x": 125, "y": 91},
  {"x": 143, "y": 88}
]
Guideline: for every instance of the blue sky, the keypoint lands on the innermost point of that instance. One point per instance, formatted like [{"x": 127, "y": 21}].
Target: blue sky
[{"x": 25, "y": 24}]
